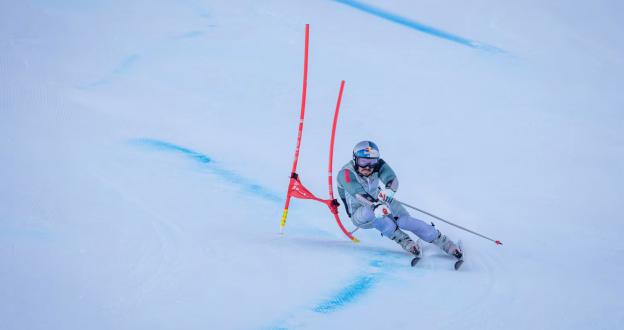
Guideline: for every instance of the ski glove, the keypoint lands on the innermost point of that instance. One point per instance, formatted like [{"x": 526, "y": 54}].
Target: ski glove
[
  {"x": 385, "y": 195},
  {"x": 380, "y": 210}
]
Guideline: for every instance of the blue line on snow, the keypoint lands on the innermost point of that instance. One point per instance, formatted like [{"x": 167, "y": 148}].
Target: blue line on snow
[
  {"x": 381, "y": 266},
  {"x": 381, "y": 13},
  {"x": 359, "y": 287},
  {"x": 348, "y": 294},
  {"x": 213, "y": 166},
  {"x": 122, "y": 68},
  {"x": 126, "y": 64}
]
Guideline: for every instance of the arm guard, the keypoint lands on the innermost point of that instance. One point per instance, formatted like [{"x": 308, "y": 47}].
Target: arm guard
[{"x": 388, "y": 177}]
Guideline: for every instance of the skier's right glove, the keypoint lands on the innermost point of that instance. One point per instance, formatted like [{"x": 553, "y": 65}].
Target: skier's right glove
[
  {"x": 386, "y": 195},
  {"x": 380, "y": 210}
]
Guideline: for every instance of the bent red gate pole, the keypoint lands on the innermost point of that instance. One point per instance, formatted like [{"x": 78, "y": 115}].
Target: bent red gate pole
[
  {"x": 293, "y": 172},
  {"x": 295, "y": 188},
  {"x": 334, "y": 209}
]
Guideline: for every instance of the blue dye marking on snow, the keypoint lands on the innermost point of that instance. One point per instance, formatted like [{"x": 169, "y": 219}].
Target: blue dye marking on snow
[
  {"x": 126, "y": 64},
  {"x": 380, "y": 266},
  {"x": 395, "y": 18},
  {"x": 212, "y": 166},
  {"x": 359, "y": 287},
  {"x": 348, "y": 294}
]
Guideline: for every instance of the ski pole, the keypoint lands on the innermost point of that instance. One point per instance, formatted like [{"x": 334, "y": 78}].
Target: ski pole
[{"x": 450, "y": 223}]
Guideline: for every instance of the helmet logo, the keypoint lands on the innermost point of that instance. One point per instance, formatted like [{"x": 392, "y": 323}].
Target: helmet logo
[{"x": 366, "y": 149}]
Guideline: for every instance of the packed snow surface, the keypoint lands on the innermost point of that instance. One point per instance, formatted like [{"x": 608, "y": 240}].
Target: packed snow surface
[{"x": 146, "y": 148}]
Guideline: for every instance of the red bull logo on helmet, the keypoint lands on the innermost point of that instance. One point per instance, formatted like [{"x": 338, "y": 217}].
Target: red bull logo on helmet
[{"x": 366, "y": 149}]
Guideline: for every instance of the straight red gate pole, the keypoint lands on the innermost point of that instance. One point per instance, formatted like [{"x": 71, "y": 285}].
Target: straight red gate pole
[{"x": 293, "y": 172}]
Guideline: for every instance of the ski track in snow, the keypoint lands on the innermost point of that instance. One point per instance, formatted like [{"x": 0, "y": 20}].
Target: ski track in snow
[
  {"x": 380, "y": 265},
  {"x": 146, "y": 278},
  {"x": 412, "y": 24}
]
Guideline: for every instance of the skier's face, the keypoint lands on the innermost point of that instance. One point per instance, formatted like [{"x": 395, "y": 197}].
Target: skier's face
[
  {"x": 365, "y": 171},
  {"x": 366, "y": 166}
]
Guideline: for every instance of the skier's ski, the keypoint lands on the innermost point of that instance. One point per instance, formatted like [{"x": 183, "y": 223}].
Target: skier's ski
[
  {"x": 460, "y": 260},
  {"x": 458, "y": 263}
]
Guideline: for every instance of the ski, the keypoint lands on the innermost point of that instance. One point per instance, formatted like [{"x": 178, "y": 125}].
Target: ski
[{"x": 459, "y": 262}]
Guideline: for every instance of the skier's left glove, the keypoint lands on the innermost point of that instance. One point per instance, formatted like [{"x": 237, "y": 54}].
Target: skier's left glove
[{"x": 386, "y": 195}]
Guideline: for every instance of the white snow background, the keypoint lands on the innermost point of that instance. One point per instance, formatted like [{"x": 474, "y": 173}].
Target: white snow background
[{"x": 145, "y": 150}]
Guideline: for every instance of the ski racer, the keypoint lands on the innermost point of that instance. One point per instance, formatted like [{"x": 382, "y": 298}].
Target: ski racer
[{"x": 371, "y": 206}]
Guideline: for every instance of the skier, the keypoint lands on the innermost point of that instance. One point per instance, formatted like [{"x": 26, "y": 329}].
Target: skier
[{"x": 371, "y": 206}]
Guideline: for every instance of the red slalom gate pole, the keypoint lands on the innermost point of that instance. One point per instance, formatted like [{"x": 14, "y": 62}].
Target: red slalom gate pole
[
  {"x": 334, "y": 204},
  {"x": 293, "y": 172},
  {"x": 295, "y": 188}
]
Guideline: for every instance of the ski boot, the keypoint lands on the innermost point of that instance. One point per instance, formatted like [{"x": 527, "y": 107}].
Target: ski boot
[
  {"x": 406, "y": 242},
  {"x": 448, "y": 246}
]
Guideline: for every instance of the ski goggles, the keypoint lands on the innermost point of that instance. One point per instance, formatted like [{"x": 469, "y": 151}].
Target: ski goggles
[{"x": 367, "y": 162}]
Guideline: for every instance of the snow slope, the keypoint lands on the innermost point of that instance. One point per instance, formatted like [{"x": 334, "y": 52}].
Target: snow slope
[{"x": 146, "y": 148}]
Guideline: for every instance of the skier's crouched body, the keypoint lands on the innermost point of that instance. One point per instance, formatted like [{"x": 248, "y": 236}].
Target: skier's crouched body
[{"x": 372, "y": 206}]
